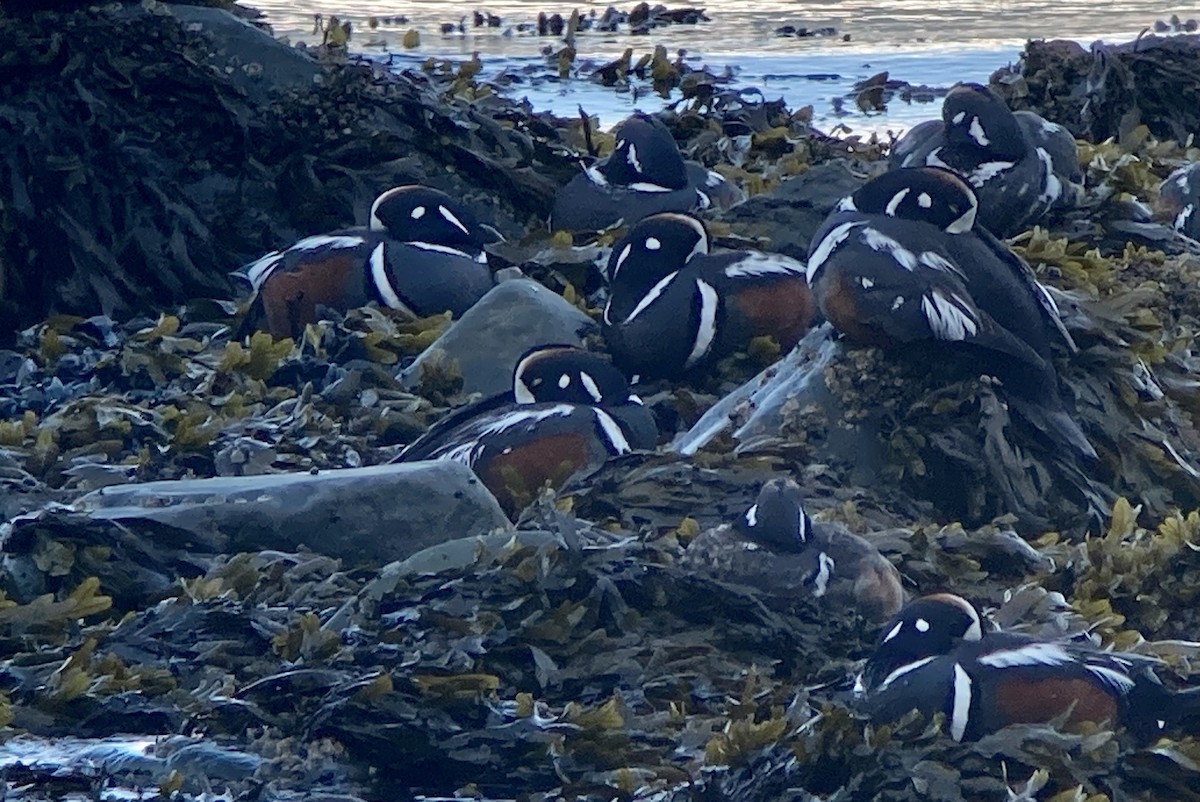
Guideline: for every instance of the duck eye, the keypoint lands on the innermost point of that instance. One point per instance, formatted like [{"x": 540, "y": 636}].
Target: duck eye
[{"x": 418, "y": 213}]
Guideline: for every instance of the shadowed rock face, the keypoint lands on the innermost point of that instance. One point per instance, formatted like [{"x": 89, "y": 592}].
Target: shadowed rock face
[{"x": 140, "y": 163}]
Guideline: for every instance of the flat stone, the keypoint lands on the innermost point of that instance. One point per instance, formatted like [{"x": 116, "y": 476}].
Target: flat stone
[
  {"x": 487, "y": 341},
  {"x": 378, "y": 514}
]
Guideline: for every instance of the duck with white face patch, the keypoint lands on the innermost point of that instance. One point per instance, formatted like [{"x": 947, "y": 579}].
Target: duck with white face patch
[
  {"x": 1020, "y": 166},
  {"x": 644, "y": 175},
  {"x": 903, "y": 261},
  {"x": 423, "y": 253},
  {"x": 936, "y": 656},
  {"x": 675, "y": 306},
  {"x": 777, "y": 548},
  {"x": 567, "y": 412}
]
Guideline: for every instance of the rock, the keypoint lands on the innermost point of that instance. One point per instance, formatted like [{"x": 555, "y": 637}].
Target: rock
[
  {"x": 376, "y": 514},
  {"x": 761, "y": 411},
  {"x": 789, "y": 215},
  {"x": 485, "y": 343},
  {"x": 253, "y": 60}
]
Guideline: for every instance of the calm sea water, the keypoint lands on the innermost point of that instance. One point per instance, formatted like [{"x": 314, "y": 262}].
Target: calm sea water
[{"x": 924, "y": 42}]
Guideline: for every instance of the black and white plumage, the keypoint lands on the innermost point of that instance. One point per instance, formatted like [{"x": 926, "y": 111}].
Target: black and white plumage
[
  {"x": 674, "y": 306},
  {"x": 421, "y": 215},
  {"x": 935, "y": 657},
  {"x": 1019, "y": 166},
  {"x": 422, "y": 254},
  {"x": 568, "y": 411},
  {"x": 903, "y": 260},
  {"x": 776, "y": 547},
  {"x": 644, "y": 175},
  {"x": 1179, "y": 200}
]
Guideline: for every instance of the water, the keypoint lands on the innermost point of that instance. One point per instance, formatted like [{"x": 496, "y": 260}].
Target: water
[{"x": 930, "y": 42}]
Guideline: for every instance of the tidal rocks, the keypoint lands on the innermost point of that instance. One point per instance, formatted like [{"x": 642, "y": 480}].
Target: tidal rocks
[
  {"x": 380, "y": 513},
  {"x": 183, "y": 171},
  {"x": 486, "y": 342}
]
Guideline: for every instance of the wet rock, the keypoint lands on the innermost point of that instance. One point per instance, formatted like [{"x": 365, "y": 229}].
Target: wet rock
[
  {"x": 374, "y": 514},
  {"x": 485, "y": 343},
  {"x": 789, "y": 215}
]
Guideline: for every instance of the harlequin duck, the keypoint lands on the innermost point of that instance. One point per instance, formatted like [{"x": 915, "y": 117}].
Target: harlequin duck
[
  {"x": 935, "y": 657},
  {"x": 568, "y": 411},
  {"x": 423, "y": 254},
  {"x": 902, "y": 261},
  {"x": 674, "y": 306},
  {"x": 981, "y": 139},
  {"x": 1179, "y": 199},
  {"x": 645, "y": 174},
  {"x": 776, "y": 547}
]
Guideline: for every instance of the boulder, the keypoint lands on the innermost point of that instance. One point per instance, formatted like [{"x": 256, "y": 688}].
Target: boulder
[
  {"x": 376, "y": 514},
  {"x": 485, "y": 343}
]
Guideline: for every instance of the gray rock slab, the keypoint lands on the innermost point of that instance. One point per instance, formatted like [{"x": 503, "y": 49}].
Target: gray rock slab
[
  {"x": 486, "y": 342},
  {"x": 789, "y": 215},
  {"x": 252, "y": 59},
  {"x": 377, "y": 514}
]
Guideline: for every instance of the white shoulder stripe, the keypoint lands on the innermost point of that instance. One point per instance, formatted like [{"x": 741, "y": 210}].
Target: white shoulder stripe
[
  {"x": 960, "y": 713},
  {"x": 616, "y": 441},
  {"x": 382, "y": 283},
  {"x": 707, "y": 330},
  {"x": 825, "y": 248}
]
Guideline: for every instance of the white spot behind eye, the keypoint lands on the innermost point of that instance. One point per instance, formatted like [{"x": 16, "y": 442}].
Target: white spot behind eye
[
  {"x": 653, "y": 244},
  {"x": 590, "y": 385},
  {"x": 621, "y": 259},
  {"x": 452, "y": 220},
  {"x": 633, "y": 160},
  {"x": 418, "y": 212},
  {"x": 978, "y": 134},
  {"x": 564, "y": 381},
  {"x": 922, "y": 625},
  {"x": 895, "y": 631},
  {"x": 895, "y": 202},
  {"x": 752, "y": 516},
  {"x": 959, "y": 117},
  {"x": 924, "y": 200}
]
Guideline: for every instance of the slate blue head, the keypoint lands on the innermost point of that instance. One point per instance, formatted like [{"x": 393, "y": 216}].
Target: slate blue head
[
  {"x": 926, "y": 627},
  {"x": 423, "y": 214},
  {"x": 977, "y": 119},
  {"x": 645, "y": 153},
  {"x": 777, "y": 518},
  {"x": 651, "y": 250},
  {"x": 566, "y": 374},
  {"x": 931, "y": 195}
]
